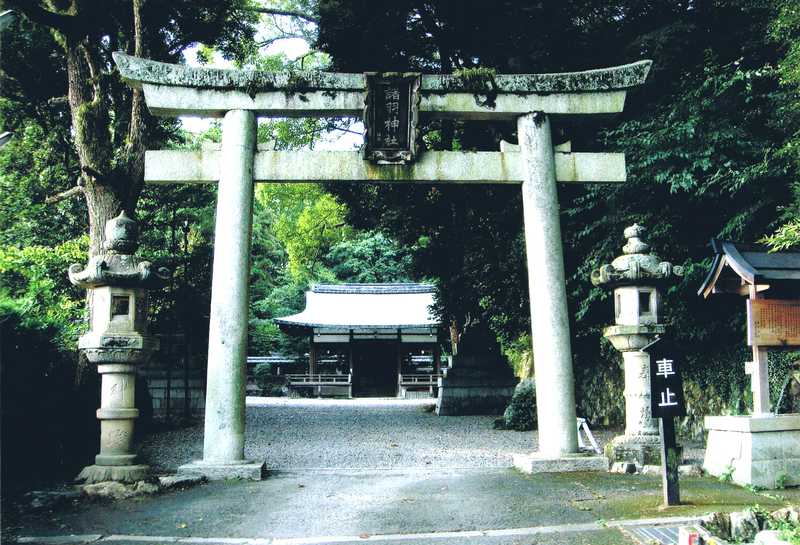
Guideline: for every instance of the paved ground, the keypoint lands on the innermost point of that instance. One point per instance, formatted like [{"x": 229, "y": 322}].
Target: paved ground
[
  {"x": 357, "y": 433},
  {"x": 444, "y": 507},
  {"x": 440, "y": 481}
]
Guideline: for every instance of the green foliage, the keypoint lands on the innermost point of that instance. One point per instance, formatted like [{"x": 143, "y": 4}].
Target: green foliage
[
  {"x": 726, "y": 475},
  {"x": 307, "y": 221},
  {"x": 29, "y": 174},
  {"x": 705, "y": 150},
  {"x": 34, "y": 281},
  {"x": 520, "y": 415},
  {"x": 369, "y": 257},
  {"x": 519, "y": 353},
  {"x": 785, "y": 31},
  {"x": 270, "y": 384},
  {"x": 785, "y": 237}
]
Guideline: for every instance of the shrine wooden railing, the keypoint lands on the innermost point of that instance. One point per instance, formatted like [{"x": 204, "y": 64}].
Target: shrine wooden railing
[
  {"x": 320, "y": 384},
  {"x": 317, "y": 378},
  {"x": 419, "y": 380}
]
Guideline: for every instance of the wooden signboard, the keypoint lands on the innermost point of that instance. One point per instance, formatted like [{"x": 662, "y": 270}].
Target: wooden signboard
[
  {"x": 667, "y": 402},
  {"x": 773, "y": 322},
  {"x": 391, "y": 117}
]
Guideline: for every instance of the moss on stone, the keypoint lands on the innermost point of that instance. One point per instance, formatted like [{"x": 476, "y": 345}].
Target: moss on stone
[{"x": 136, "y": 71}]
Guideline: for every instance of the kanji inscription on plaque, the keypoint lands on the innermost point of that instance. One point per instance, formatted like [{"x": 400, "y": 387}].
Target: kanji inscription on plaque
[
  {"x": 390, "y": 117},
  {"x": 773, "y": 322}
]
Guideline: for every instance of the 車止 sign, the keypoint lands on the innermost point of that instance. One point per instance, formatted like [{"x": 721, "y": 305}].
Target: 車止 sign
[
  {"x": 666, "y": 384},
  {"x": 666, "y": 390},
  {"x": 773, "y": 322},
  {"x": 391, "y": 115}
]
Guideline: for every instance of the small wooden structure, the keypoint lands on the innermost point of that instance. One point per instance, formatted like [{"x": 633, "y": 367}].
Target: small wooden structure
[
  {"x": 368, "y": 340},
  {"x": 762, "y": 449},
  {"x": 771, "y": 283}
]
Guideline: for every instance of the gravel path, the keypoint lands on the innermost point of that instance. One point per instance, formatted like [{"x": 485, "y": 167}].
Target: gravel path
[{"x": 355, "y": 433}]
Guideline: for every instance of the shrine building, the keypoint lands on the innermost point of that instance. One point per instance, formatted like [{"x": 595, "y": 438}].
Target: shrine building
[{"x": 368, "y": 340}]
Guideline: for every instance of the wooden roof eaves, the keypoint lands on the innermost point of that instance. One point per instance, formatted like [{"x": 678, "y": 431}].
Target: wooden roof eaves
[
  {"x": 713, "y": 274},
  {"x": 739, "y": 264}
]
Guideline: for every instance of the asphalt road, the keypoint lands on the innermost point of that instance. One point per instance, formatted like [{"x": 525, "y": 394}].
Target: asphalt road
[{"x": 442, "y": 507}]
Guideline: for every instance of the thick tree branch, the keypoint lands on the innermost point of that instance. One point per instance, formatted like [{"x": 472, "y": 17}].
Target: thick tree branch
[
  {"x": 287, "y": 13},
  {"x": 135, "y": 143},
  {"x": 270, "y": 41},
  {"x": 69, "y": 25},
  {"x": 64, "y": 195}
]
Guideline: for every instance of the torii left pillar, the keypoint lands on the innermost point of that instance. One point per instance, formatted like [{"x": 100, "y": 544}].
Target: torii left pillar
[
  {"x": 552, "y": 352},
  {"x": 223, "y": 442}
]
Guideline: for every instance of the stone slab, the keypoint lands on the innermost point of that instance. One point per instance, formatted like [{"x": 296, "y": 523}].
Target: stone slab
[
  {"x": 642, "y": 449},
  {"x": 471, "y": 400},
  {"x": 760, "y": 451},
  {"x": 182, "y": 480},
  {"x": 244, "y": 470},
  {"x": 58, "y": 540},
  {"x": 172, "y": 90},
  {"x": 167, "y": 101},
  {"x": 753, "y": 424},
  {"x": 480, "y": 167},
  {"x": 137, "y": 71},
  {"x": 536, "y": 463}
]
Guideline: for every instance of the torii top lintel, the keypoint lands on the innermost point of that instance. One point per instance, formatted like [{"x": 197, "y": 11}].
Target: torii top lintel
[{"x": 172, "y": 89}]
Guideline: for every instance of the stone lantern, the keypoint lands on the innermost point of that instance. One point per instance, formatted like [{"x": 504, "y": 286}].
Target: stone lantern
[
  {"x": 636, "y": 277},
  {"x": 117, "y": 342}
]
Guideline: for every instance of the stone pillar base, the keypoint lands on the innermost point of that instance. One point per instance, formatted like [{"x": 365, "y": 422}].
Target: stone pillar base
[
  {"x": 754, "y": 450},
  {"x": 472, "y": 388},
  {"x": 220, "y": 471},
  {"x": 539, "y": 463},
  {"x": 123, "y": 474},
  {"x": 644, "y": 450}
]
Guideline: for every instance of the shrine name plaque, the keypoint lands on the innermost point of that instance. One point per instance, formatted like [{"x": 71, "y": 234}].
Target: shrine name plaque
[
  {"x": 391, "y": 116},
  {"x": 773, "y": 322}
]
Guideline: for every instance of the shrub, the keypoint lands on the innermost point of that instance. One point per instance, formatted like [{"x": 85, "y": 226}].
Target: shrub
[
  {"x": 271, "y": 385},
  {"x": 40, "y": 392},
  {"x": 520, "y": 415}
]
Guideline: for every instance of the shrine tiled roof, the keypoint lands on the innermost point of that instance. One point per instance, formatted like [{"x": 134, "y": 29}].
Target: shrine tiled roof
[{"x": 366, "y": 306}]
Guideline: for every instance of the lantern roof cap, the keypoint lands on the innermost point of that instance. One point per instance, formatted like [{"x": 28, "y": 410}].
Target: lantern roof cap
[
  {"x": 637, "y": 265},
  {"x": 117, "y": 265}
]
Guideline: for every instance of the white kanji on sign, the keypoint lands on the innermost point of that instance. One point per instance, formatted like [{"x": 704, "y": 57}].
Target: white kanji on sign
[
  {"x": 667, "y": 399},
  {"x": 665, "y": 368},
  {"x": 392, "y": 94}
]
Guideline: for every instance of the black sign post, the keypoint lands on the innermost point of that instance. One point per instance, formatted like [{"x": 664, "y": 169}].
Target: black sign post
[
  {"x": 667, "y": 402},
  {"x": 391, "y": 116}
]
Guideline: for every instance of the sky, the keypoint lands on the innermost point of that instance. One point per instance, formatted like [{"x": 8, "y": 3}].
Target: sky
[{"x": 292, "y": 48}]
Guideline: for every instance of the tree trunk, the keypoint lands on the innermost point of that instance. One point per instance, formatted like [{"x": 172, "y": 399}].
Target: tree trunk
[{"x": 90, "y": 122}]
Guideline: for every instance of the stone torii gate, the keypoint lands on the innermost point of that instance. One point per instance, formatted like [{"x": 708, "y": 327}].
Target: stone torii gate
[{"x": 239, "y": 97}]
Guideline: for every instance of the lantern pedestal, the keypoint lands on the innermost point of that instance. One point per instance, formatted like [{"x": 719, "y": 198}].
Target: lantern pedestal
[
  {"x": 640, "y": 443},
  {"x": 117, "y": 342},
  {"x": 754, "y": 450},
  {"x": 636, "y": 278}
]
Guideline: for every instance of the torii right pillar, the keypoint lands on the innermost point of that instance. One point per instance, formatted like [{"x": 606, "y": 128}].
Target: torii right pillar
[{"x": 552, "y": 354}]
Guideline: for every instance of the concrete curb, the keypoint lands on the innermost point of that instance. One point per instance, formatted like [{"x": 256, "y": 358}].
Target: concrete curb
[{"x": 363, "y": 538}]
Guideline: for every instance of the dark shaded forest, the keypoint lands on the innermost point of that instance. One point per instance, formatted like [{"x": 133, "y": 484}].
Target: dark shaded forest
[{"x": 711, "y": 143}]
